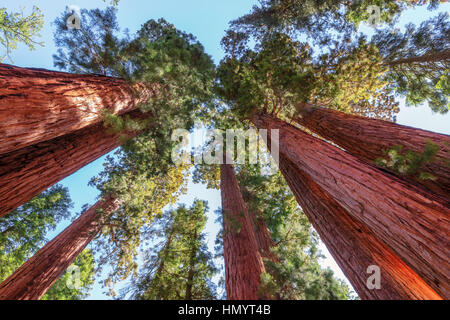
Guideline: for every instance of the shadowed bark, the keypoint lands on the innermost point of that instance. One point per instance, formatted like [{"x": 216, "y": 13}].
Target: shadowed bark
[
  {"x": 353, "y": 245},
  {"x": 27, "y": 172},
  {"x": 37, "y": 105},
  {"x": 36, "y": 276},
  {"x": 412, "y": 222},
  {"x": 367, "y": 138},
  {"x": 243, "y": 262}
]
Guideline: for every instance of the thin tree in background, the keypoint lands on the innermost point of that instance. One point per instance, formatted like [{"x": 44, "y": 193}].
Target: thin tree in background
[
  {"x": 177, "y": 263},
  {"x": 288, "y": 244},
  {"x": 24, "y": 232}
]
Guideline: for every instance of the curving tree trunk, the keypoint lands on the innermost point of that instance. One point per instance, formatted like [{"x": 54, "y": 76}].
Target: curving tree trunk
[
  {"x": 367, "y": 138},
  {"x": 353, "y": 245},
  {"x": 32, "y": 280},
  {"x": 243, "y": 262},
  {"x": 27, "y": 172},
  {"x": 37, "y": 105},
  {"x": 413, "y": 223}
]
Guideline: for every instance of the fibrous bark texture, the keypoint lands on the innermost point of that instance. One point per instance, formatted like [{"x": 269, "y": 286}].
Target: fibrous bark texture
[
  {"x": 27, "y": 172},
  {"x": 35, "y": 277},
  {"x": 412, "y": 222},
  {"x": 243, "y": 262},
  {"x": 368, "y": 139},
  {"x": 354, "y": 247},
  {"x": 37, "y": 105}
]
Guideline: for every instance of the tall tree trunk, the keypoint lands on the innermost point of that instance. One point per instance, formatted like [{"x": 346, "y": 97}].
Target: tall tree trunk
[
  {"x": 353, "y": 245},
  {"x": 367, "y": 138},
  {"x": 430, "y": 57},
  {"x": 32, "y": 280},
  {"x": 191, "y": 272},
  {"x": 243, "y": 262},
  {"x": 37, "y": 105},
  {"x": 413, "y": 223},
  {"x": 27, "y": 172},
  {"x": 262, "y": 233}
]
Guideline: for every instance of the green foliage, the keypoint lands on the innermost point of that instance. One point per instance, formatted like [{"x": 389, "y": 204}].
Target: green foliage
[
  {"x": 297, "y": 273},
  {"x": 23, "y": 232},
  {"x": 282, "y": 73},
  {"x": 169, "y": 62},
  {"x": 62, "y": 291},
  {"x": 319, "y": 20},
  {"x": 329, "y": 24},
  {"x": 418, "y": 81},
  {"x": 173, "y": 65},
  {"x": 358, "y": 11},
  {"x": 16, "y": 28},
  {"x": 94, "y": 48},
  {"x": 143, "y": 198},
  {"x": 316, "y": 17},
  {"x": 410, "y": 162},
  {"x": 177, "y": 264}
]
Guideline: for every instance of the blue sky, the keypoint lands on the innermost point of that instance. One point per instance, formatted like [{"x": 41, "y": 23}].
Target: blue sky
[{"x": 207, "y": 20}]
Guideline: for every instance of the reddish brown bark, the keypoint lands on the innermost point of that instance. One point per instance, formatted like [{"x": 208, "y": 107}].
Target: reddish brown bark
[
  {"x": 353, "y": 245},
  {"x": 32, "y": 280},
  {"x": 37, "y": 105},
  {"x": 243, "y": 262},
  {"x": 413, "y": 223},
  {"x": 29, "y": 171},
  {"x": 367, "y": 138},
  {"x": 262, "y": 233}
]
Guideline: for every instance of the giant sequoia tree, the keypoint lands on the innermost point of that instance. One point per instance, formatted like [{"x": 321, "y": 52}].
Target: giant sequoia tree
[
  {"x": 419, "y": 218},
  {"x": 139, "y": 181},
  {"x": 413, "y": 154},
  {"x": 243, "y": 262},
  {"x": 288, "y": 245},
  {"x": 352, "y": 244},
  {"x": 159, "y": 57},
  {"x": 265, "y": 83},
  {"x": 24, "y": 232}
]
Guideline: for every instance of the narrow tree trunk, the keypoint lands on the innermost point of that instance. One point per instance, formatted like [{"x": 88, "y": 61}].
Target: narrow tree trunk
[
  {"x": 367, "y": 138},
  {"x": 27, "y": 172},
  {"x": 32, "y": 280},
  {"x": 243, "y": 262},
  {"x": 412, "y": 222},
  {"x": 353, "y": 245},
  {"x": 262, "y": 234},
  {"x": 431, "y": 57},
  {"x": 37, "y": 105},
  {"x": 191, "y": 272}
]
